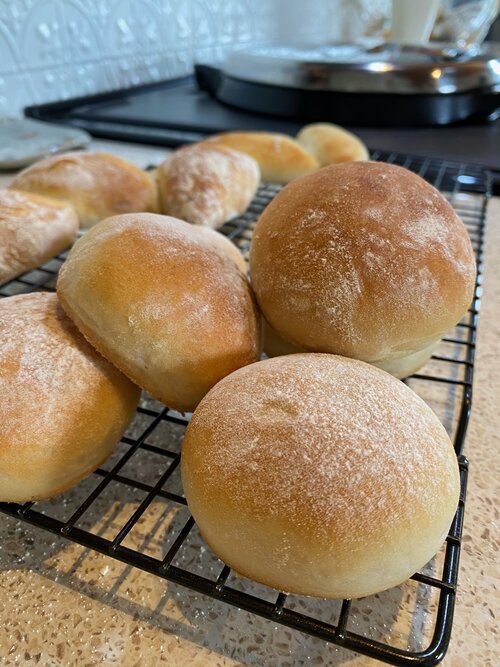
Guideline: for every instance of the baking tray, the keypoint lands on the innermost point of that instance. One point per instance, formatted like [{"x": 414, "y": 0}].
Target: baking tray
[{"x": 407, "y": 625}]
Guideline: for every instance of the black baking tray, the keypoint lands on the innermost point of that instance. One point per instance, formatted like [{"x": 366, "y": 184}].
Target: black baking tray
[{"x": 449, "y": 379}]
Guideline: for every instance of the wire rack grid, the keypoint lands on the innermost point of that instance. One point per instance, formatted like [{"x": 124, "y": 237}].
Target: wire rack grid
[{"x": 446, "y": 384}]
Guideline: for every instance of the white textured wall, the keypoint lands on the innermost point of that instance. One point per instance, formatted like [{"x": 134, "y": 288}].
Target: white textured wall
[{"x": 55, "y": 49}]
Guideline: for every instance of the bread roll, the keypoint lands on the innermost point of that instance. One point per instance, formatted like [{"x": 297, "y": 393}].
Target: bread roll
[
  {"x": 363, "y": 259},
  {"x": 32, "y": 230},
  {"x": 63, "y": 406},
  {"x": 207, "y": 185},
  {"x": 280, "y": 157},
  {"x": 158, "y": 300},
  {"x": 96, "y": 184},
  {"x": 331, "y": 144},
  {"x": 319, "y": 475}
]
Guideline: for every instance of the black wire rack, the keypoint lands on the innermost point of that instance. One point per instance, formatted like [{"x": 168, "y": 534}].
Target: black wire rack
[{"x": 446, "y": 384}]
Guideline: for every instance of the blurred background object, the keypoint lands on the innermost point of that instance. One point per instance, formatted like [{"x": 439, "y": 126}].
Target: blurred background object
[
  {"x": 464, "y": 22},
  {"x": 58, "y": 50},
  {"x": 22, "y": 141}
]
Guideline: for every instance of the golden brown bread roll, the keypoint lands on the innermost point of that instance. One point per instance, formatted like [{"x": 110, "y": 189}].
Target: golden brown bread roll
[
  {"x": 63, "y": 406},
  {"x": 157, "y": 299},
  {"x": 207, "y": 185},
  {"x": 280, "y": 158},
  {"x": 331, "y": 144},
  {"x": 96, "y": 184},
  {"x": 32, "y": 230},
  {"x": 319, "y": 475},
  {"x": 363, "y": 259}
]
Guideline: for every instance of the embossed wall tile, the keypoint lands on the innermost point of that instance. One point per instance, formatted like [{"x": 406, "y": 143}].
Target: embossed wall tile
[
  {"x": 16, "y": 92},
  {"x": 9, "y": 55},
  {"x": 55, "y": 49},
  {"x": 133, "y": 27}
]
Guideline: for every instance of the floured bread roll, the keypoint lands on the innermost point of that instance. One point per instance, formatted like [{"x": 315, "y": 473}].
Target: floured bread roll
[
  {"x": 319, "y": 475},
  {"x": 96, "y": 184},
  {"x": 331, "y": 144},
  {"x": 63, "y": 407},
  {"x": 280, "y": 158},
  {"x": 363, "y": 259},
  {"x": 207, "y": 185},
  {"x": 32, "y": 230},
  {"x": 165, "y": 301}
]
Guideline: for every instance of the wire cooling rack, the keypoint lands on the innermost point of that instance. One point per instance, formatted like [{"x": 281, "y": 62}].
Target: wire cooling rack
[{"x": 425, "y": 603}]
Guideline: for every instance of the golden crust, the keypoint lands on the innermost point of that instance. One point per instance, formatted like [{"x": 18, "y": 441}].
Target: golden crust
[
  {"x": 97, "y": 184},
  {"x": 32, "y": 230},
  {"x": 158, "y": 299},
  {"x": 362, "y": 259},
  {"x": 207, "y": 185},
  {"x": 319, "y": 475},
  {"x": 63, "y": 406},
  {"x": 280, "y": 158},
  {"x": 331, "y": 144}
]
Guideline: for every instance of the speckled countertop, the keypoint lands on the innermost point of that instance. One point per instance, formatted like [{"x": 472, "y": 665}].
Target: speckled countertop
[{"x": 61, "y": 604}]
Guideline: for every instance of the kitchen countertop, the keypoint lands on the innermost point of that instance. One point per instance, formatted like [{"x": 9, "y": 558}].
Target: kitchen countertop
[{"x": 61, "y": 604}]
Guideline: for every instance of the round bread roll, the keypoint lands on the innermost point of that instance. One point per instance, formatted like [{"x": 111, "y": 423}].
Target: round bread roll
[
  {"x": 161, "y": 301},
  {"x": 32, "y": 230},
  {"x": 280, "y": 158},
  {"x": 331, "y": 144},
  {"x": 63, "y": 406},
  {"x": 207, "y": 185},
  {"x": 96, "y": 184},
  {"x": 319, "y": 475},
  {"x": 363, "y": 259}
]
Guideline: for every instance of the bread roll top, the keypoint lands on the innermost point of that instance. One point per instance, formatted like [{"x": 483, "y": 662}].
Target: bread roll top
[
  {"x": 331, "y": 144},
  {"x": 63, "y": 406},
  {"x": 207, "y": 185},
  {"x": 319, "y": 475},
  {"x": 165, "y": 301}
]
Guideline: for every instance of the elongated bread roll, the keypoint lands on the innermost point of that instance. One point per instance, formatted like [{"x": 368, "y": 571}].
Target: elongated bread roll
[
  {"x": 163, "y": 300},
  {"x": 319, "y": 475},
  {"x": 32, "y": 230},
  {"x": 63, "y": 407},
  {"x": 96, "y": 184},
  {"x": 280, "y": 158},
  {"x": 207, "y": 185},
  {"x": 331, "y": 144}
]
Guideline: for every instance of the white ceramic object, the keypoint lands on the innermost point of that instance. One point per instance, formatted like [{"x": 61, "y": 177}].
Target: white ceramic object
[{"x": 412, "y": 21}]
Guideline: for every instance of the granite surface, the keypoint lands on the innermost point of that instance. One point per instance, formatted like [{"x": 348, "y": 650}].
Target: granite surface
[{"x": 61, "y": 604}]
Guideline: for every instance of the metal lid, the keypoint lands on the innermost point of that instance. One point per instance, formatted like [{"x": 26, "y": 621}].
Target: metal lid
[{"x": 367, "y": 68}]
